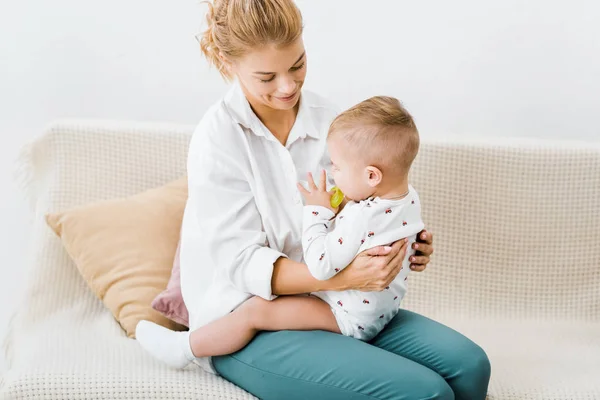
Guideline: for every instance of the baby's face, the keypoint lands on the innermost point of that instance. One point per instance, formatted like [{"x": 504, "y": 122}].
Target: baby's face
[{"x": 348, "y": 170}]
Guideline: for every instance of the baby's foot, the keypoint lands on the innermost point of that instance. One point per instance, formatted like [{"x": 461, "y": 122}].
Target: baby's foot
[{"x": 170, "y": 347}]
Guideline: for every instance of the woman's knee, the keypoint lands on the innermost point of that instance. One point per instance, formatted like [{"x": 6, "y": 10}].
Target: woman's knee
[
  {"x": 472, "y": 372},
  {"x": 478, "y": 363},
  {"x": 425, "y": 387}
]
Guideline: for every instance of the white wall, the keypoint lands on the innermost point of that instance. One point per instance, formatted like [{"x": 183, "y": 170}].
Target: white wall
[{"x": 508, "y": 68}]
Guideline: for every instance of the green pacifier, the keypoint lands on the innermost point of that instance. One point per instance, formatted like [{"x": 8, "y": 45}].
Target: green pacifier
[{"x": 337, "y": 197}]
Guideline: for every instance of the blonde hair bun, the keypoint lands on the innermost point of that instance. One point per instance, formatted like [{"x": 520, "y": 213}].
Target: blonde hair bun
[{"x": 237, "y": 26}]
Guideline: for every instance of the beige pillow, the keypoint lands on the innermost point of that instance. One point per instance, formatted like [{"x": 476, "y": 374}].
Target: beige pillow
[{"x": 124, "y": 249}]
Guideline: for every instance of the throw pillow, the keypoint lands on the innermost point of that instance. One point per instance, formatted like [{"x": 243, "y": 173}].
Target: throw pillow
[{"x": 124, "y": 249}]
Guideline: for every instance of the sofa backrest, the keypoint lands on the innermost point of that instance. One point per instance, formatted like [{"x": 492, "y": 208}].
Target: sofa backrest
[
  {"x": 516, "y": 226},
  {"x": 516, "y": 222}
]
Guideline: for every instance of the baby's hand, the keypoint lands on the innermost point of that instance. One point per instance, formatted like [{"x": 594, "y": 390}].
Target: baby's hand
[{"x": 317, "y": 196}]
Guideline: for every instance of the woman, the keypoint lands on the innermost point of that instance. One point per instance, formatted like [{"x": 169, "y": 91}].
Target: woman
[{"x": 241, "y": 233}]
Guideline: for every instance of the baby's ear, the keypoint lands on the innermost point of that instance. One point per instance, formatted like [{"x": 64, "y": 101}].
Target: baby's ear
[{"x": 374, "y": 175}]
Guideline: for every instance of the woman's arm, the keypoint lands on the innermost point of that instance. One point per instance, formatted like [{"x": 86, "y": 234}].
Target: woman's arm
[
  {"x": 228, "y": 224},
  {"x": 370, "y": 270},
  {"x": 291, "y": 277}
]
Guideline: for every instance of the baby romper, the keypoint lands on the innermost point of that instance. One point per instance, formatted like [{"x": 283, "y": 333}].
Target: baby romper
[{"x": 331, "y": 245}]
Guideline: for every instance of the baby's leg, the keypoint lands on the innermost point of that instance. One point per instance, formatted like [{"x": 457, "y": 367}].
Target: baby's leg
[{"x": 234, "y": 331}]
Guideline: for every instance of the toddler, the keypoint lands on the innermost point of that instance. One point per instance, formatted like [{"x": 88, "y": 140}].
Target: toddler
[{"x": 372, "y": 146}]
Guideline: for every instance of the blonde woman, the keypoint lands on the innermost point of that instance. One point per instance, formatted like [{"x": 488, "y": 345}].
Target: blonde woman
[{"x": 242, "y": 234}]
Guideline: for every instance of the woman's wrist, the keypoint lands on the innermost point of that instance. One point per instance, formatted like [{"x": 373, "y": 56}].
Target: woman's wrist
[
  {"x": 336, "y": 284},
  {"x": 291, "y": 277}
]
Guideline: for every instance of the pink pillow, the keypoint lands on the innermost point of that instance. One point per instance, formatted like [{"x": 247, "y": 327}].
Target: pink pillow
[{"x": 170, "y": 302}]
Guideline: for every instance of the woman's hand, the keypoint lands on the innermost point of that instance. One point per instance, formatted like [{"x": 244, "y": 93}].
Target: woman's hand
[
  {"x": 376, "y": 268},
  {"x": 371, "y": 270},
  {"x": 424, "y": 249}
]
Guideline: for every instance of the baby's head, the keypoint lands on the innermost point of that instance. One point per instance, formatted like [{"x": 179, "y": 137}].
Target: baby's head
[{"x": 372, "y": 146}]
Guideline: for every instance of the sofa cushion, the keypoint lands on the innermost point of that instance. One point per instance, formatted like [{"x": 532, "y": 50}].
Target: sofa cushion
[
  {"x": 81, "y": 354},
  {"x": 536, "y": 359},
  {"x": 124, "y": 249},
  {"x": 71, "y": 357}
]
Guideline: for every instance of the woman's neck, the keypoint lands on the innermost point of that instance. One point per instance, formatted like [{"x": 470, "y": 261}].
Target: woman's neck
[{"x": 278, "y": 122}]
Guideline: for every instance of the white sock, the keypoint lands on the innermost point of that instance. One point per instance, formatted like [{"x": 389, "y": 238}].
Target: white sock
[{"x": 170, "y": 347}]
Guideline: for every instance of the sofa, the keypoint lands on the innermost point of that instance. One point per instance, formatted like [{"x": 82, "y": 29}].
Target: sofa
[{"x": 516, "y": 265}]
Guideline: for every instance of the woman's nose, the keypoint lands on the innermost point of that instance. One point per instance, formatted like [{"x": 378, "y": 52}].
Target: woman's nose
[{"x": 287, "y": 86}]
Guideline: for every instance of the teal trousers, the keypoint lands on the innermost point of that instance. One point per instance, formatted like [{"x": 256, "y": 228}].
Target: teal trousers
[{"x": 414, "y": 357}]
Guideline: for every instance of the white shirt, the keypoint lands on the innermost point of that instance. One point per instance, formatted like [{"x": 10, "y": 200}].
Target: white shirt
[{"x": 244, "y": 210}]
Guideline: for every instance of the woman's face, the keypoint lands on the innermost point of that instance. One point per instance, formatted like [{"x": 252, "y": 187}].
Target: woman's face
[{"x": 272, "y": 76}]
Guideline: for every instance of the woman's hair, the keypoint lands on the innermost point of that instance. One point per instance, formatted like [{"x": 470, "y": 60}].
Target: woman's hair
[{"x": 236, "y": 26}]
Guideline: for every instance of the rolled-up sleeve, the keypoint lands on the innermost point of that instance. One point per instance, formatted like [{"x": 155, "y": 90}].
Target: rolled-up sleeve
[{"x": 226, "y": 213}]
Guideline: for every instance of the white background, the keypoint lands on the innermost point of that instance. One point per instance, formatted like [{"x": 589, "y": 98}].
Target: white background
[{"x": 497, "y": 68}]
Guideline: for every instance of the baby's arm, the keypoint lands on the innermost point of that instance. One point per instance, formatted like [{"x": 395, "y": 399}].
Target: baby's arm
[{"x": 327, "y": 253}]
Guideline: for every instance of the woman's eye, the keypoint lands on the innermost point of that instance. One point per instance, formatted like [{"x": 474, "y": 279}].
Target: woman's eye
[
  {"x": 267, "y": 80},
  {"x": 299, "y": 67}
]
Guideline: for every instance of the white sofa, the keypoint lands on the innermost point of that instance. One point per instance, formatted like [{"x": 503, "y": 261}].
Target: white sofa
[{"x": 516, "y": 264}]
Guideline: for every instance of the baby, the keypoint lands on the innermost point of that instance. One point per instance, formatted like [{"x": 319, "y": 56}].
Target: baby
[{"x": 372, "y": 146}]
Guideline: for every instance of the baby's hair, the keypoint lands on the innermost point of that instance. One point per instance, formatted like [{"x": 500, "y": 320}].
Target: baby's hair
[
  {"x": 237, "y": 26},
  {"x": 381, "y": 130}
]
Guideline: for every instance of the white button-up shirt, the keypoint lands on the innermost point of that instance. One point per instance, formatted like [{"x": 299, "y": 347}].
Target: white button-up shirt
[{"x": 244, "y": 210}]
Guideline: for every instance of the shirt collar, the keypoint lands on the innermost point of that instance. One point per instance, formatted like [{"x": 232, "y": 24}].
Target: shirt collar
[{"x": 242, "y": 113}]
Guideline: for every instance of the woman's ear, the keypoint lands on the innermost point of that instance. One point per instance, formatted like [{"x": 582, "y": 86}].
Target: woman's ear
[
  {"x": 374, "y": 176},
  {"x": 227, "y": 65}
]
